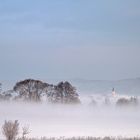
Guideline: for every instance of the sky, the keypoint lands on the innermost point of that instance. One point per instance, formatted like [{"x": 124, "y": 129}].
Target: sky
[{"x": 68, "y": 39}]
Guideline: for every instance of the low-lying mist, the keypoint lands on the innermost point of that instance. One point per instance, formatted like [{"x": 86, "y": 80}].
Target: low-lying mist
[{"x": 54, "y": 120}]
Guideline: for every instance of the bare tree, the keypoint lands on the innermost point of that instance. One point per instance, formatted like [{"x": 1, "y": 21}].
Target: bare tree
[
  {"x": 64, "y": 92},
  {"x": 25, "y": 131},
  {"x": 33, "y": 90},
  {"x": 30, "y": 89},
  {"x": 133, "y": 101},
  {"x": 69, "y": 92},
  {"x": 10, "y": 129}
]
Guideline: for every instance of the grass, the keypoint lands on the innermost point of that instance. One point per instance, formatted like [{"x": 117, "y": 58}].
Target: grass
[{"x": 85, "y": 138}]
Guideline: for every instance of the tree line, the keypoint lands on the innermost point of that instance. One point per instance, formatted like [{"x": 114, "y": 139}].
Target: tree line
[{"x": 36, "y": 90}]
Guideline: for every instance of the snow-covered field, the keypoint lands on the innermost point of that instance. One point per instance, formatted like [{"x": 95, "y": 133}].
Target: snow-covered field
[{"x": 73, "y": 120}]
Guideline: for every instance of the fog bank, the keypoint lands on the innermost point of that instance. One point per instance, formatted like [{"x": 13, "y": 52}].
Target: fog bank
[{"x": 72, "y": 120}]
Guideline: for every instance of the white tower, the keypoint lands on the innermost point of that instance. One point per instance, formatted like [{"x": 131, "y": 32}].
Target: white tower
[{"x": 113, "y": 92}]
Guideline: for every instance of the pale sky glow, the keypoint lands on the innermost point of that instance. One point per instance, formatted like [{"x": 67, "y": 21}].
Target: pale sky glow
[{"x": 64, "y": 39}]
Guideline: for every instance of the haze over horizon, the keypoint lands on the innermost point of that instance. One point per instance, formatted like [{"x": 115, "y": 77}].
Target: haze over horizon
[{"x": 45, "y": 39}]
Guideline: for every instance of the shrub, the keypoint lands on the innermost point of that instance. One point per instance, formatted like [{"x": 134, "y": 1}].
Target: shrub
[{"x": 10, "y": 129}]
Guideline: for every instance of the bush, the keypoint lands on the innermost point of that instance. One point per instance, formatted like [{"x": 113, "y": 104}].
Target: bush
[{"x": 10, "y": 129}]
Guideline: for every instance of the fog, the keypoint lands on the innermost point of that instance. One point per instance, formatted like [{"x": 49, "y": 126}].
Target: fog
[{"x": 72, "y": 120}]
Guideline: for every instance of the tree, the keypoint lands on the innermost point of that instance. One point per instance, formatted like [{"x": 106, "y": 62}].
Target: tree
[
  {"x": 107, "y": 101},
  {"x": 10, "y": 129},
  {"x": 133, "y": 101},
  {"x": 63, "y": 92},
  {"x": 25, "y": 131},
  {"x": 93, "y": 102},
  {"x": 122, "y": 102},
  {"x": 33, "y": 90},
  {"x": 7, "y": 95},
  {"x": 69, "y": 93},
  {"x": 30, "y": 89}
]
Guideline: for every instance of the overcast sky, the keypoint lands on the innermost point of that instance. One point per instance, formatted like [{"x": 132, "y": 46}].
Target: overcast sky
[{"x": 66, "y": 39}]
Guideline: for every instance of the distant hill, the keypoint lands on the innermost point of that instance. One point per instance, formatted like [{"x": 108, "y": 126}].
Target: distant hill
[{"x": 126, "y": 86}]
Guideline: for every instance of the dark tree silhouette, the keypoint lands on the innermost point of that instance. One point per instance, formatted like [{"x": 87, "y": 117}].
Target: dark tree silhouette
[
  {"x": 30, "y": 89},
  {"x": 133, "y": 101},
  {"x": 34, "y": 90},
  {"x": 70, "y": 95},
  {"x": 64, "y": 92}
]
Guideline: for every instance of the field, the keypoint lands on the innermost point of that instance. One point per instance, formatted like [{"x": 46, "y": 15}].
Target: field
[{"x": 47, "y": 120}]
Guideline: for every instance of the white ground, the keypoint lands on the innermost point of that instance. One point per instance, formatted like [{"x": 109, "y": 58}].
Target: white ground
[{"x": 82, "y": 120}]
